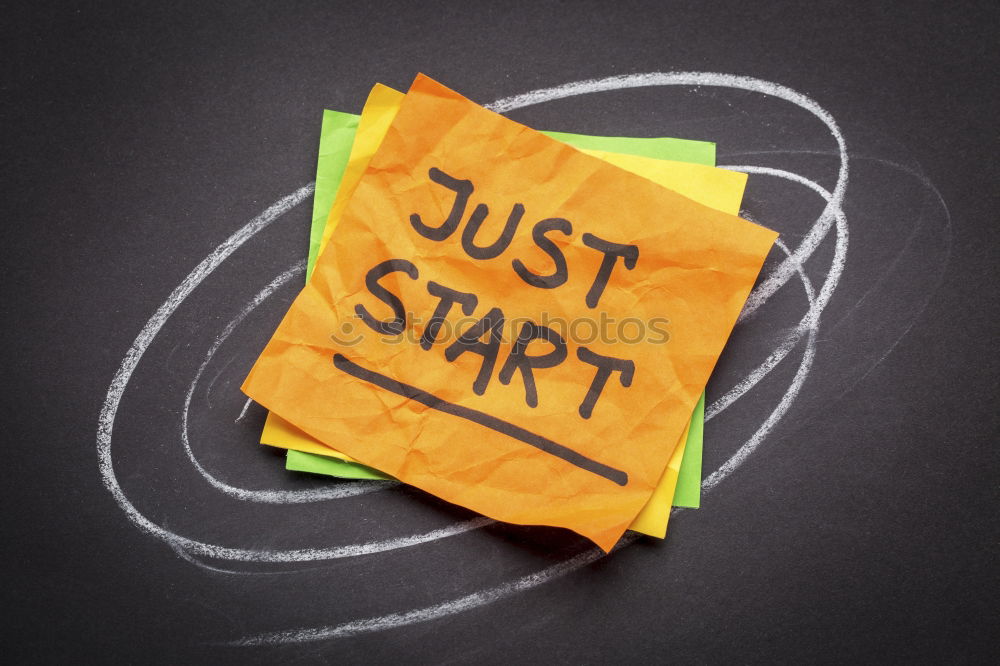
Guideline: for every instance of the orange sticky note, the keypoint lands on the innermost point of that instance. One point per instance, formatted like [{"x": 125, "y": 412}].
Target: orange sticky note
[{"x": 508, "y": 323}]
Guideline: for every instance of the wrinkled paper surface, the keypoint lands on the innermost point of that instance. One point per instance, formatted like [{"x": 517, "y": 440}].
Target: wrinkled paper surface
[
  {"x": 413, "y": 414},
  {"x": 718, "y": 190}
]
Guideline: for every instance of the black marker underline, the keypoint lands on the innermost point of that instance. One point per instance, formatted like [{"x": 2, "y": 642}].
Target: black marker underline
[{"x": 482, "y": 418}]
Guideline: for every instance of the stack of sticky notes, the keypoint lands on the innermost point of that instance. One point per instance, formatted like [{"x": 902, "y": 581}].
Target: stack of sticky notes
[{"x": 518, "y": 322}]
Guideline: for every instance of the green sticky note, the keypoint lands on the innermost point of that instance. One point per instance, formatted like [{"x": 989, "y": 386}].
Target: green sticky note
[
  {"x": 660, "y": 148},
  {"x": 339, "y": 129},
  {"x": 308, "y": 462},
  {"x": 688, "y": 491},
  {"x": 335, "y": 141}
]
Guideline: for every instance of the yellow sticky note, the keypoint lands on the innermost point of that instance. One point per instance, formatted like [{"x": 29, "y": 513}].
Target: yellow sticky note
[
  {"x": 528, "y": 425},
  {"x": 653, "y": 518},
  {"x": 717, "y": 188},
  {"x": 721, "y": 190}
]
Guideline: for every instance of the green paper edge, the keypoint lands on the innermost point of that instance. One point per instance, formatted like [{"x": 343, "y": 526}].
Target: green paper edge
[
  {"x": 336, "y": 136},
  {"x": 659, "y": 148},
  {"x": 688, "y": 490},
  {"x": 300, "y": 461}
]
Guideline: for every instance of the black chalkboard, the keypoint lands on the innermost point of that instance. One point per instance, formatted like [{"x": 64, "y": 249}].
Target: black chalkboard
[{"x": 852, "y": 512}]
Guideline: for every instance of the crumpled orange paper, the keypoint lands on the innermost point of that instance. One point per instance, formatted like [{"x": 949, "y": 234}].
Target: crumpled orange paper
[
  {"x": 585, "y": 448},
  {"x": 713, "y": 187}
]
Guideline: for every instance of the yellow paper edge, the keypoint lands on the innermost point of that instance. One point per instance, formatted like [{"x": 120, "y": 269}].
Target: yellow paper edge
[{"x": 653, "y": 518}]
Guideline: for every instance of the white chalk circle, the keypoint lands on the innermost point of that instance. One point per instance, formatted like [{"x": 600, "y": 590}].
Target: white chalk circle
[{"x": 832, "y": 217}]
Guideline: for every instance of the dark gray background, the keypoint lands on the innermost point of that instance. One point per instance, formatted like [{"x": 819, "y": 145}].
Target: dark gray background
[{"x": 137, "y": 137}]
